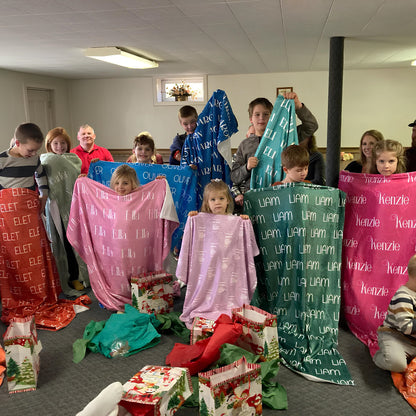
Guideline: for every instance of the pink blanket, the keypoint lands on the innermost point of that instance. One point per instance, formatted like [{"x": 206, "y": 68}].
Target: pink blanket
[
  {"x": 216, "y": 263},
  {"x": 379, "y": 239},
  {"x": 120, "y": 236}
]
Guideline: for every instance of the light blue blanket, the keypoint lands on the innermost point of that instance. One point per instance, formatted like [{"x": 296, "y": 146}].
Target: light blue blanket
[
  {"x": 209, "y": 148},
  {"x": 279, "y": 134}
]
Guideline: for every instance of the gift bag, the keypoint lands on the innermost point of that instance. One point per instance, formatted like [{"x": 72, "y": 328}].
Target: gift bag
[
  {"x": 201, "y": 328},
  {"x": 152, "y": 292},
  {"x": 259, "y": 331},
  {"x": 22, "y": 354},
  {"x": 231, "y": 390},
  {"x": 156, "y": 391}
]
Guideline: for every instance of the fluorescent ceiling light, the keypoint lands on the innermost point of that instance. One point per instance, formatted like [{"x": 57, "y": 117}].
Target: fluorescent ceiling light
[
  {"x": 120, "y": 57},
  {"x": 414, "y": 63}
]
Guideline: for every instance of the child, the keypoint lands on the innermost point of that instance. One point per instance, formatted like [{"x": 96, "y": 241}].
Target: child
[
  {"x": 217, "y": 200},
  {"x": 188, "y": 118},
  {"x": 62, "y": 169},
  {"x": 388, "y": 158},
  {"x": 124, "y": 180},
  {"x": 295, "y": 162},
  {"x": 144, "y": 150},
  {"x": 397, "y": 334}
]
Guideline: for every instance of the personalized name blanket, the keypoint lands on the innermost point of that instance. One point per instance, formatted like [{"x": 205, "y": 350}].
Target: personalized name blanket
[
  {"x": 120, "y": 236},
  {"x": 209, "y": 148},
  {"x": 379, "y": 239},
  {"x": 29, "y": 281},
  {"x": 280, "y": 133},
  {"x": 217, "y": 265},
  {"x": 62, "y": 171},
  {"x": 181, "y": 179},
  {"x": 299, "y": 232}
]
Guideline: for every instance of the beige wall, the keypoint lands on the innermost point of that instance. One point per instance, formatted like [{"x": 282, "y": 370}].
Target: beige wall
[{"x": 120, "y": 108}]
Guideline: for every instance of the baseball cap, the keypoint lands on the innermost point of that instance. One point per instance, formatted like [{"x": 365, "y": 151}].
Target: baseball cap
[{"x": 412, "y": 124}]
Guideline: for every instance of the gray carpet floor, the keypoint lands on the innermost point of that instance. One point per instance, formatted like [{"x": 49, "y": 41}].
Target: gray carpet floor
[{"x": 64, "y": 388}]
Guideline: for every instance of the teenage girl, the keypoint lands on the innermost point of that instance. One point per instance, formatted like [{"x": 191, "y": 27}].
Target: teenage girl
[
  {"x": 388, "y": 158},
  {"x": 217, "y": 199}
]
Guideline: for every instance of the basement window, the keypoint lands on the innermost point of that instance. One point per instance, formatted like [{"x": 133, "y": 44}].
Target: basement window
[{"x": 194, "y": 86}]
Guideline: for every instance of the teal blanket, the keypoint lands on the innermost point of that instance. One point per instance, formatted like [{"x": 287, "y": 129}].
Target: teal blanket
[
  {"x": 299, "y": 232},
  {"x": 280, "y": 133}
]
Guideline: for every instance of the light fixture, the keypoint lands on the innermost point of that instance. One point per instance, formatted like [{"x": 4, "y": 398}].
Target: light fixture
[
  {"x": 413, "y": 63},
  {"x": 118, "y": 56}
]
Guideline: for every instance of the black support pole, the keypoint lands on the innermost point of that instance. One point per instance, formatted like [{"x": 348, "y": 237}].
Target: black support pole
[{"x": 333, "y": 144}]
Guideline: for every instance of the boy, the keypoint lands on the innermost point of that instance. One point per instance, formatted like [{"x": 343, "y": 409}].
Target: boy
[
  {"x": 143, "y": 149},
  {"x": 295, "y": 162},
  {"x": 188, "y": 118},
  {"x": 20, "y": 166},
  {"x": 259, "y": 111},
  {"x": 397, "y": 334}
]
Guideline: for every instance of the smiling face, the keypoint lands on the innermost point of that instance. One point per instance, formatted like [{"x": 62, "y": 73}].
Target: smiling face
[
  {"x": 123, "y": 185},
  {"x": 386, "y": 163},
  {"x": 367, "y": 144},
  {"x": 59, "y": 145},
  {"x": 218, "y": 202},
  {"x": 86, "y": 138},
  {"x": 143, "y": 153},
  {"x": 259, "y": 119}
]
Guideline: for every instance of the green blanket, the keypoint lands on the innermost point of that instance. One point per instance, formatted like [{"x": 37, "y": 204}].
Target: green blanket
[
  {"x": 62, "y": 172},
  {"x": 299, "y": 232}
]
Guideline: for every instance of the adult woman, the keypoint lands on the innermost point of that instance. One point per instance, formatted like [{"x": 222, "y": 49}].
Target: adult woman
[
  {"x": 62, "y": 169},
  {"x": 368, "y": 140}
]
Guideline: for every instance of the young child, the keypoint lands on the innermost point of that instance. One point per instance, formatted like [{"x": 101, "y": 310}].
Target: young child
[
  {"x": 20, "y": 166},
  {"x": 62, "y": 169},
  {"x": 295, "y": 162},
  {"x": 143, "y": 149},
  {"x": 397, "y": 334},
  {"x": 388, "y": 158},
  {"x": 188, "y": 118},
  {"x": 124, "y": 180},
  {"x": 217, "y": 200}
]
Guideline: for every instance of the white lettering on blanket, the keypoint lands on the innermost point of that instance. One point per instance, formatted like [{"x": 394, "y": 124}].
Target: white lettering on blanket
[
  {"x": 394, "y": 269},
  {"x": 269, "y": 201},
  {"x": 283, "y": 216},
  {"x": 356, "y": 199},
  {"x": 270, "y": 234},
  {"x": 308, "y": 216},
  {"x": 367, "y": 222},
  {"x": 392, "y": 199},
  {"x": 359, "y": 266},
  {"x": 295, "y": 198},
  {"x": 374, "y": 290},
  {"x": 403, "y": 223},
  {"x": 384, "y": 245}
]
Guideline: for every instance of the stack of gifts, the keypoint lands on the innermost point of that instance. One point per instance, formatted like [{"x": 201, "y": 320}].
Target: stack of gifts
[
  {"x": 22, "y": 354},
  {"x": 156, "y": 390},
  {"x": 152, "y": 292}
]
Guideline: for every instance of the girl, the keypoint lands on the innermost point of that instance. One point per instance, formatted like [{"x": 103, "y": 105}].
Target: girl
[
  {"x": 62, "y": 169},
  {"x": 217, "y": 199},
  {"x": 388, "y": 158},
  {"x": 124, "y": 180},
  {"x": 144, "y": 150},
  {"x": 368, "y": 140}
]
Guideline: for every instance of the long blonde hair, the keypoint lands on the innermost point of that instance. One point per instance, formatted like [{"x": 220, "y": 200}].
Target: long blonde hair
[
  {"x": 125, "y": 171},
  {"x": 389, "y": 146},
  {"x": 217, "y": 185}
]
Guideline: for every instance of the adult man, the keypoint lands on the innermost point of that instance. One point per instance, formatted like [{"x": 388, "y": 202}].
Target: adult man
[
  {"x": 87, "y": 150},
  {"x": 410, "y": 153}
]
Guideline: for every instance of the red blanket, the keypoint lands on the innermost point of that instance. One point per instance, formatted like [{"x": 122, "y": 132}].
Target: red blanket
[{"x": 29, "y": 281}]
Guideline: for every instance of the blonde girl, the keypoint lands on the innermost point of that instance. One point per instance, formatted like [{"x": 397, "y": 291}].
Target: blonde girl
[
  {"x": 124, "y": 180},
  {"x": 388, "y": 158}
]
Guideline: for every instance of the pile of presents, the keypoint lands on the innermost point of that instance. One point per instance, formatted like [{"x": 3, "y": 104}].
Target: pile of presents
[{"x": 232, "y": 389}]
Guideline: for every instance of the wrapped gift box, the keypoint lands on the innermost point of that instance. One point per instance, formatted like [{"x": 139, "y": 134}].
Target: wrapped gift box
[
  {"x": 201, "y": 328},
  {"x": 157, "y": 391},
  {"x": 152, "y": 292}
]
